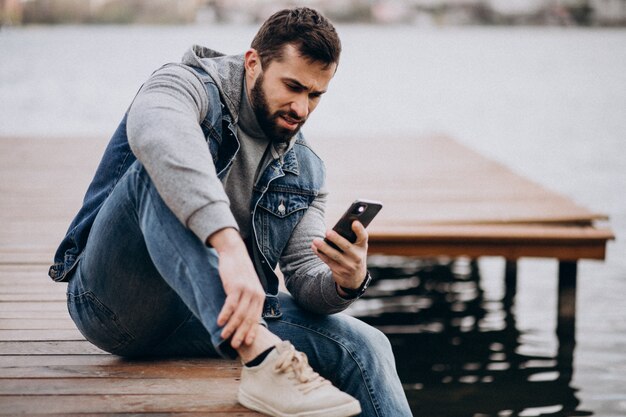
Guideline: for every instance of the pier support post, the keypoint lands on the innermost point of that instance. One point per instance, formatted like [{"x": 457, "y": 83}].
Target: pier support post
[
  {"x": 510, "y": 283},
  {"x": 566, "y": 319},
  {"x": 567, "y": 299}
]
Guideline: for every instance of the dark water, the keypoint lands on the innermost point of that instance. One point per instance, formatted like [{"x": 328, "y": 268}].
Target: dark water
[{"x": 457, "y": 343}]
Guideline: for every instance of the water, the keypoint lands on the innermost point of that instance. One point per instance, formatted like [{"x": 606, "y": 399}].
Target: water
[{"x": 548, "y": 102}]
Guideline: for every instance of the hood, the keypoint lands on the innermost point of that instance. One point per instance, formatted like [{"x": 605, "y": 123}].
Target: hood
[{"x": 226, "y": 71}]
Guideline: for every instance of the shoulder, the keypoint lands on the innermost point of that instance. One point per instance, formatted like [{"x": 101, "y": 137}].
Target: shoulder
[
  {"x": 182, "y": 74},
  {"x": 302, "y": 146},
  {"x": 188, "y": 81}
]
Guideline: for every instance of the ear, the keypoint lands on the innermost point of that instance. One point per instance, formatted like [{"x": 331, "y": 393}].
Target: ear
[{"x": 252, "y": 63}]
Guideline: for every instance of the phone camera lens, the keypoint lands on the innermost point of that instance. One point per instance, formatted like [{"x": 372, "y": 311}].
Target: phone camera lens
[{"x": 358, "y": 209}]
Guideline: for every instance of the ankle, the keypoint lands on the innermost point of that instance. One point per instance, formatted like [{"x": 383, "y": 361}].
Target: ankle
[
  {"x": 260, "y": 358},
  {"x": 264, "y": 340}
]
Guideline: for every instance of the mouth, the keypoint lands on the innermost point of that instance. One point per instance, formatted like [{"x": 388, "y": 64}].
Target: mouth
[{"x": 290, "y": 122}]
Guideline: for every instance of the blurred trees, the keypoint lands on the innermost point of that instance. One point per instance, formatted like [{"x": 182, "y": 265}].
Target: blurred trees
[
  {"x": 109, "y": 11},
  {"x": 419, "y": 12}
]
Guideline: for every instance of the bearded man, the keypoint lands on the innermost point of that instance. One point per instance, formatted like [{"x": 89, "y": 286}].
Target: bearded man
[{"x": 205, "y": 187}]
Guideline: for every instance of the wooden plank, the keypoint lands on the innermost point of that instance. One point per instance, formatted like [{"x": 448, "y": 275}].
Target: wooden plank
[
  {"x": 99, "y": 360},
  {"x": 41, "y": 306},
  {"x": 49, "y": 315},
  {"x": 38, "y": 323},
  {"x": 16, "y": 283},
  {"x": 219, "y": 401},
  {"x": 120, "y": 386},
  {"x": 40, "y": 335},
  {"x": 513, "y": 233},
  {"x": 143, "y": 371},
  {"x": 110, "y": 366},
  {"x": 49, "y": 348},
  {"x": 511, "y": 241},
  {"x": 238, "y": 413},
  {"x": 30, "y": 296},
  {"x": 509, "y": 250}
]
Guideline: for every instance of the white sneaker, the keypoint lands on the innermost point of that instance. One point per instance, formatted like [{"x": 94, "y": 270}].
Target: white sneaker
[{"x": 284, "y": 385}]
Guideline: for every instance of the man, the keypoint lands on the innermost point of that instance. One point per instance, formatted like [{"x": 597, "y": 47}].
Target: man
[{"x": 205, "y": 187}]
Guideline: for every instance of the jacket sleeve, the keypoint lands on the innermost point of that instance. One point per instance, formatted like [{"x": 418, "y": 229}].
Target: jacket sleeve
[
  {"x": 308, "y": 279},
  {"x": 165, "y": 135}
]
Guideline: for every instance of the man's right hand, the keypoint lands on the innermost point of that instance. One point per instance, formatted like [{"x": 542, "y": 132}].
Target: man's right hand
[{"x": 244, "y": 293}]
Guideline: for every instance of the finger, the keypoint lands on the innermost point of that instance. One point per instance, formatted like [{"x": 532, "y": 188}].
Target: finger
[
  {"x": 241, "y": 317},
  {"x": 328, "y": 258},
  {"x": 234, "y": 321},
  {"x": 341, "y": 242},
  {"x": 242, "y": 321},
  {"x": 228, "y": 309},
  {"x": 243, "y": 332},
  {"x": 229, "y": 329},
  {"x": 251, "y": 335},
  {"x": 361, "y": 233}
]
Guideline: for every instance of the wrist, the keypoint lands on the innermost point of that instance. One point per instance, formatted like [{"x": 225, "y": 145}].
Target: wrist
[
  {"x": 225, "y": 240},
  {"x": 350, "y": 293}
]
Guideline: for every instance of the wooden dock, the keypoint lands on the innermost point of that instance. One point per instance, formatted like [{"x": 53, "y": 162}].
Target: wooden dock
[{"x": 440, "y": 199}]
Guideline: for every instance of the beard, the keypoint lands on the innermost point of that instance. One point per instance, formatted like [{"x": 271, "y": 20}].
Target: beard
[{"x": 268, "y": 120}]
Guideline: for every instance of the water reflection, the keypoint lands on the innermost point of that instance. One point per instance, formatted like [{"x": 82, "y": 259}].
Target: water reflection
[{"x": 458, "y": 352}]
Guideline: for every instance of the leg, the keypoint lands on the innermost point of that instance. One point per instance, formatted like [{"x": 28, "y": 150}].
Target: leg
[
  {"x": 144, "y": 277},
  {"x": 356, "y": 357}
]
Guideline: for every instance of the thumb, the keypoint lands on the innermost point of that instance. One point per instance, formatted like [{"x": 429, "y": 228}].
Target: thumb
[{"x": 361, "y": 233}]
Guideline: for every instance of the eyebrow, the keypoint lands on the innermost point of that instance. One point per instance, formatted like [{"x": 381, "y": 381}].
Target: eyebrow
[{"x": 302, "y": 86}]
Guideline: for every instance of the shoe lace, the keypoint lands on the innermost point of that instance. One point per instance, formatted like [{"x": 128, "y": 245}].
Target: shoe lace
[{"x": 290, "y": 360}]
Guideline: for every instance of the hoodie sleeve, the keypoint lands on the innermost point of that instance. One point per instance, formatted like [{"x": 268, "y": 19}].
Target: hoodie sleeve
[
  {"x": 308, "y": 279},
  {"x": 164, "y": 134}
]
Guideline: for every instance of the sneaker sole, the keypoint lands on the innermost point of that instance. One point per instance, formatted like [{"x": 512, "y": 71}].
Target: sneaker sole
[{"x": 345, "y": 410}]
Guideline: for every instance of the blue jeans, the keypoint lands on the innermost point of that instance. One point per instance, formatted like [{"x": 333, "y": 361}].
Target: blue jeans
[{"x": 147, "y": 286}]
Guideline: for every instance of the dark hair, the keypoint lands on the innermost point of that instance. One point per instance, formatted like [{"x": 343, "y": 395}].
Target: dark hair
[{"x": 311, "y": 33}]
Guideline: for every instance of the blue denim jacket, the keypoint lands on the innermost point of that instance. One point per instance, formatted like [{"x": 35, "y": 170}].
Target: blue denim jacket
[{"x": 280, "y": 197}]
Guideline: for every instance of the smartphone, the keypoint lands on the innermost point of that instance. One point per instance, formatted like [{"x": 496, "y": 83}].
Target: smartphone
[{"x": 362, "y": 210}]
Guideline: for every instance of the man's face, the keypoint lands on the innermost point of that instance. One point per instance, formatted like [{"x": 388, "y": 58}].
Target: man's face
[{"x": 286, "y": 92}]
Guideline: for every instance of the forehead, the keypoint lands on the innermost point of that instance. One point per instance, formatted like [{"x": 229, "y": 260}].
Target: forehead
[{"x": 313, "y": 74}]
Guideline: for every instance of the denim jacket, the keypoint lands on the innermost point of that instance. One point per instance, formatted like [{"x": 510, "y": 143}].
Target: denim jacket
[
  {"x": 287, "y": 203},
  {"x": 280, "y": 197}
]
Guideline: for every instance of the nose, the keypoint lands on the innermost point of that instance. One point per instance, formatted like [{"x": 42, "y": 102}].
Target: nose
[{"x": 300, "y": 105}]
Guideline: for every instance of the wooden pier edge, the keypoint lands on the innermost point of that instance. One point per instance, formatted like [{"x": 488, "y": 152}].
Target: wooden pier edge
[{"x": 510, "y": 242}]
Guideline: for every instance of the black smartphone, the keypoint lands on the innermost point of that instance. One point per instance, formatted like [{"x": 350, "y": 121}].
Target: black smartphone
[{"x": 362, "y": 210}]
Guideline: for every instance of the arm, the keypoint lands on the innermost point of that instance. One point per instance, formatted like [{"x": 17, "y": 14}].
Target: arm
[
  {"x": 309, "y": 280},
  {"x": 243, "y": 307},
  {"x": 164, "y": 133}
]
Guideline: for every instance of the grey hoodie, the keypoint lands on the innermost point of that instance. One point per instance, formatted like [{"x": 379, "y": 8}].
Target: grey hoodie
[{"x": 165, "y": 135}]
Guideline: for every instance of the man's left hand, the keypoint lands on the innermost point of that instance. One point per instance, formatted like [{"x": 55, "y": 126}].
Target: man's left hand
[{"x": 350, "y": 266}]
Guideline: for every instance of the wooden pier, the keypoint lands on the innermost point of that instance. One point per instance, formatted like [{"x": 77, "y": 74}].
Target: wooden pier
[{"x": 440, "y": 199}]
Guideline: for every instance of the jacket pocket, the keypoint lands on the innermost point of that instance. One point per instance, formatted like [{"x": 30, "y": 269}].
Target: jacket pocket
[
  {"x": 279, "y": 213},
  {"x": 284, "y": 204}
]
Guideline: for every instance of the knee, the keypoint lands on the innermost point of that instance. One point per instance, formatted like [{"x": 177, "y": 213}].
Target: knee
[
  {"x": 367, "y": 359},
  {"x": 371, "y": 345}
]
